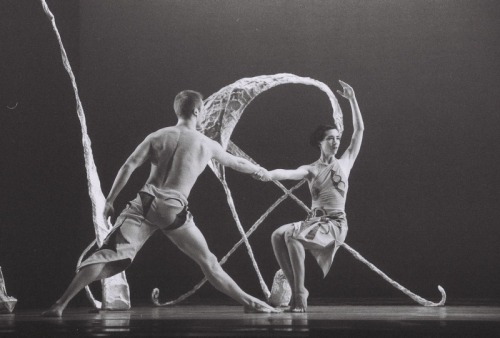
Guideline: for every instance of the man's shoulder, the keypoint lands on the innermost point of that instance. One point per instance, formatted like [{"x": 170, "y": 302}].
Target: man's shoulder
[
  {"x": 188, "y": 136},
  {"x": 201, "y": 137},
  {"x": 164, "y": 132},
  {"x": 162, "y": 136},
  {"x": 171, "y": 129}
]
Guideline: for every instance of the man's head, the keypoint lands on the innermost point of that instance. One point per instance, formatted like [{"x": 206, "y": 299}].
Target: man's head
[
  {"x": 187, "y": 103},
  {"x": 327, "y": 136}
]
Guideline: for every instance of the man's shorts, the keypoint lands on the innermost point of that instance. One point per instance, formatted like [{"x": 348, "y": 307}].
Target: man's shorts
[{"x": 151, "y": 210}]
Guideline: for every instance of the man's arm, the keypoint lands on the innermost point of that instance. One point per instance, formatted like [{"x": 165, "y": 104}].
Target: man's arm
[
  {"x": 135, "y": 160},
  {"x": 245, "y": 166},
  {"x": 233, "y": 162},
  {"x": 353, "y": 150}
]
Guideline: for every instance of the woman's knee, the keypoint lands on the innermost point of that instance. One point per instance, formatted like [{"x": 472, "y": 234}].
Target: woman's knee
[
  {"x": 281, "y": 231},
  {"x": 276, "y": 236}
]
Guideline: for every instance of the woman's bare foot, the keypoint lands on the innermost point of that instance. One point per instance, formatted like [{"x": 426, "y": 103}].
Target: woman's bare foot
[{"x": 300, "y": 303}]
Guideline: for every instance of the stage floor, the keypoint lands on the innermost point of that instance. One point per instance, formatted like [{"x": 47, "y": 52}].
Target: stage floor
[{"x": 231, "y": 321}]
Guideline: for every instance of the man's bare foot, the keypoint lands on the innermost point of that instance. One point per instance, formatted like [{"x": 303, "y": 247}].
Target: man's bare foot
[
  {"x": 257, "y": 306},
  {"x": 300, "y": 301},
  {"x": 54, "y": 311}
]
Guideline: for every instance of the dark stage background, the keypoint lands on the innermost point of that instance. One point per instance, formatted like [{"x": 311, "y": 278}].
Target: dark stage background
[{"x": 423, "y": 201}]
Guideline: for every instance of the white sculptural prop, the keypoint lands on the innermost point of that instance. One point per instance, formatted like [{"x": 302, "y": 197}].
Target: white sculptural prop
[
  {"x": 6, "y": 302},
  {"x": 281, "y": 292},
  {"x": 223, "y": 110},
  {"x": 116, "y": 293}
]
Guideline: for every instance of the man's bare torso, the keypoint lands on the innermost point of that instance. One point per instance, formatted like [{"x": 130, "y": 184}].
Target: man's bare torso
[{"x": 178, "y": 156}]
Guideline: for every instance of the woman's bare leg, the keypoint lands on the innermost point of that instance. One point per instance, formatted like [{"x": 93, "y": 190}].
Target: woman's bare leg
[
  {"x": 297, "y": 256},
  {"x": 280, "y": 249}
]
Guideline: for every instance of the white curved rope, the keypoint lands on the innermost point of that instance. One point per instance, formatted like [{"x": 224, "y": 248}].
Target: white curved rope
[
  {"x": 415, "y": 297},
  {"x": 230, "y": 202}
]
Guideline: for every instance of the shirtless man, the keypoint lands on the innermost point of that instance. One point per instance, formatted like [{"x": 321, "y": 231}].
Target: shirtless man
[{"x": 177, "y": 155}]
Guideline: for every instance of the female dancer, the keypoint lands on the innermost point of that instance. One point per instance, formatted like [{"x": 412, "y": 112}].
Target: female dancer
[{"x": 326, "y": 226}]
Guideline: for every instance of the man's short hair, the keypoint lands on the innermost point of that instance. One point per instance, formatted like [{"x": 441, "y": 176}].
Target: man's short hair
[
  {"x": 186, "y": 102},
  {"x": 318, "y": 134}
]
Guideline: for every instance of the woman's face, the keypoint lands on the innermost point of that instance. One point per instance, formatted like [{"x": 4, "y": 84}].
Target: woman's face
[{"x": 331, "y": 142}]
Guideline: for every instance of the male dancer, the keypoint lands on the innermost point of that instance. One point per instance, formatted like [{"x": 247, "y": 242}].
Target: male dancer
[{"x": 177, "y": 155}]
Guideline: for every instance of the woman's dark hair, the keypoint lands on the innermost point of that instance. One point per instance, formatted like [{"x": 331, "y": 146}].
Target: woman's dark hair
[{"x": 319, "y": 134}]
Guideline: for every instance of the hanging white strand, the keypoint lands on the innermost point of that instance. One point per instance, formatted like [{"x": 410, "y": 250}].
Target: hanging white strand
[
  {"x": 115, "y": 289},
  {"x": 94, "y": 185}
]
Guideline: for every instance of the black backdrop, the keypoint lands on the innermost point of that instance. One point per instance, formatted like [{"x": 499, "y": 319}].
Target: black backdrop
[{"x": 423, "y": 200}]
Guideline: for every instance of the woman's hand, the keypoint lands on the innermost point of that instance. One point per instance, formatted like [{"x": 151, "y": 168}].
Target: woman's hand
[{"x": 347, "y": 92}]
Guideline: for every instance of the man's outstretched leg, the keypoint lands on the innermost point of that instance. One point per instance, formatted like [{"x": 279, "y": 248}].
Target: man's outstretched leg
[
  {"x": 84, "y": 277},
  {"x": 192, "y": 242}
]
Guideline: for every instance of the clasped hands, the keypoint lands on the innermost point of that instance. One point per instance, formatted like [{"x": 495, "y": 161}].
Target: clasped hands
[{"x": 262, "y": 175}]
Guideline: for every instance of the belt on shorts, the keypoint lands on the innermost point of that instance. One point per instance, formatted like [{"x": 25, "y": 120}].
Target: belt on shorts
[{"x": 321, "y": 214}]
